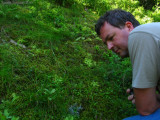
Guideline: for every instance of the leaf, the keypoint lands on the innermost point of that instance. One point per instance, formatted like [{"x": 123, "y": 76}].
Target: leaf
[
  {"x": 6, "y": 114},
  {"x": 49, "y": 98},
  {"x": 52, "y": 91},
  {"x": 2, "y": 117},
  {"x": 15, "y": 118},
  {"x": 69, "y": 118},
  {"x": 15, "y": 97}
]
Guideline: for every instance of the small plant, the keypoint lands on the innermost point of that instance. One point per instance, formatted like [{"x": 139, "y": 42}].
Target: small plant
[{"x": 6, "y": 116}]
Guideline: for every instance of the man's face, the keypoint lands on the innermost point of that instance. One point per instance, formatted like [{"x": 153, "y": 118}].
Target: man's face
[{"x": 115, "y": 38}]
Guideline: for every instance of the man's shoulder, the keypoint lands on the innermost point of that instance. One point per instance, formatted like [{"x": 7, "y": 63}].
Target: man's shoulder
[{"x": 149, "y": 28}]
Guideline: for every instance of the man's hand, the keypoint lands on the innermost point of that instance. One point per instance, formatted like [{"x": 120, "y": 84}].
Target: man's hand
[{"x": 131, "y": 96}]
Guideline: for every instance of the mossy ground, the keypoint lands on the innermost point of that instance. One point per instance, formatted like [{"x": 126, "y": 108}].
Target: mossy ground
[{"x": 64, "y": 66}]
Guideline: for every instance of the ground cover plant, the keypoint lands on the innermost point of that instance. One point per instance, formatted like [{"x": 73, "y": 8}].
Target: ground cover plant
[{"x": 53, "y": 66}]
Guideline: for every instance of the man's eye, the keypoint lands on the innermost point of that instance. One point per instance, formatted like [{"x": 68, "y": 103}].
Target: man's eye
[{"x": 111, "y": 38}]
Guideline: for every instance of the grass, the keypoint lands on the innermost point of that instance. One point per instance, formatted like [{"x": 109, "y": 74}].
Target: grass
[{"x": 65, "y": 72}]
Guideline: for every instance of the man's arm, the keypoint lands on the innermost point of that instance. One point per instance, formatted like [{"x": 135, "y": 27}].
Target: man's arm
[
  {"x": 146, "y": 100},
  {"x": 144, "y": 55}
]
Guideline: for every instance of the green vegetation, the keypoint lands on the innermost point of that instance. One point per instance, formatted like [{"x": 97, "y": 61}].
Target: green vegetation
[{"x": 54, "y": 66}]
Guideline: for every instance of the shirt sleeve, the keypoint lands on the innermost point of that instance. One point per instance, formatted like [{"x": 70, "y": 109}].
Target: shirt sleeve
[{"x": 143, "y": 54}]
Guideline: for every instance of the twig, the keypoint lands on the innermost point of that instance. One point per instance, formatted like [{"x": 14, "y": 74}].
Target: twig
[
  {"x": 15, "y": 43},
  {"x": 10, "y": 40}
]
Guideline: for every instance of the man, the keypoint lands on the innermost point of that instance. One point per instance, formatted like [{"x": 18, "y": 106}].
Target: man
[{"x": 123, "y": 34}]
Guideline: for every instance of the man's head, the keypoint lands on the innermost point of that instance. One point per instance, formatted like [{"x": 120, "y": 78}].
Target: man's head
[{"x": 114, "y": 28}]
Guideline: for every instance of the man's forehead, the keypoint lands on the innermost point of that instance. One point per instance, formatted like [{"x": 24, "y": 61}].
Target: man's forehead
[
  {"x": 106, "y": 26},
  {"x": 105, "y": 30}
]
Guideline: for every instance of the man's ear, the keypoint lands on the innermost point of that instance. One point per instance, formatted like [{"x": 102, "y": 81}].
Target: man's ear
[{"x": 129, "y": 26}]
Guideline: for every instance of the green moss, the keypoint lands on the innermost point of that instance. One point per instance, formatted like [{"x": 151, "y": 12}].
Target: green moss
[{"x": 64, "y": 63}]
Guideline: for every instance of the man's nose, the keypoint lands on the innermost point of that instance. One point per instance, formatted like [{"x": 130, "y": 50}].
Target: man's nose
[{"x": 109, "y": 45}]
